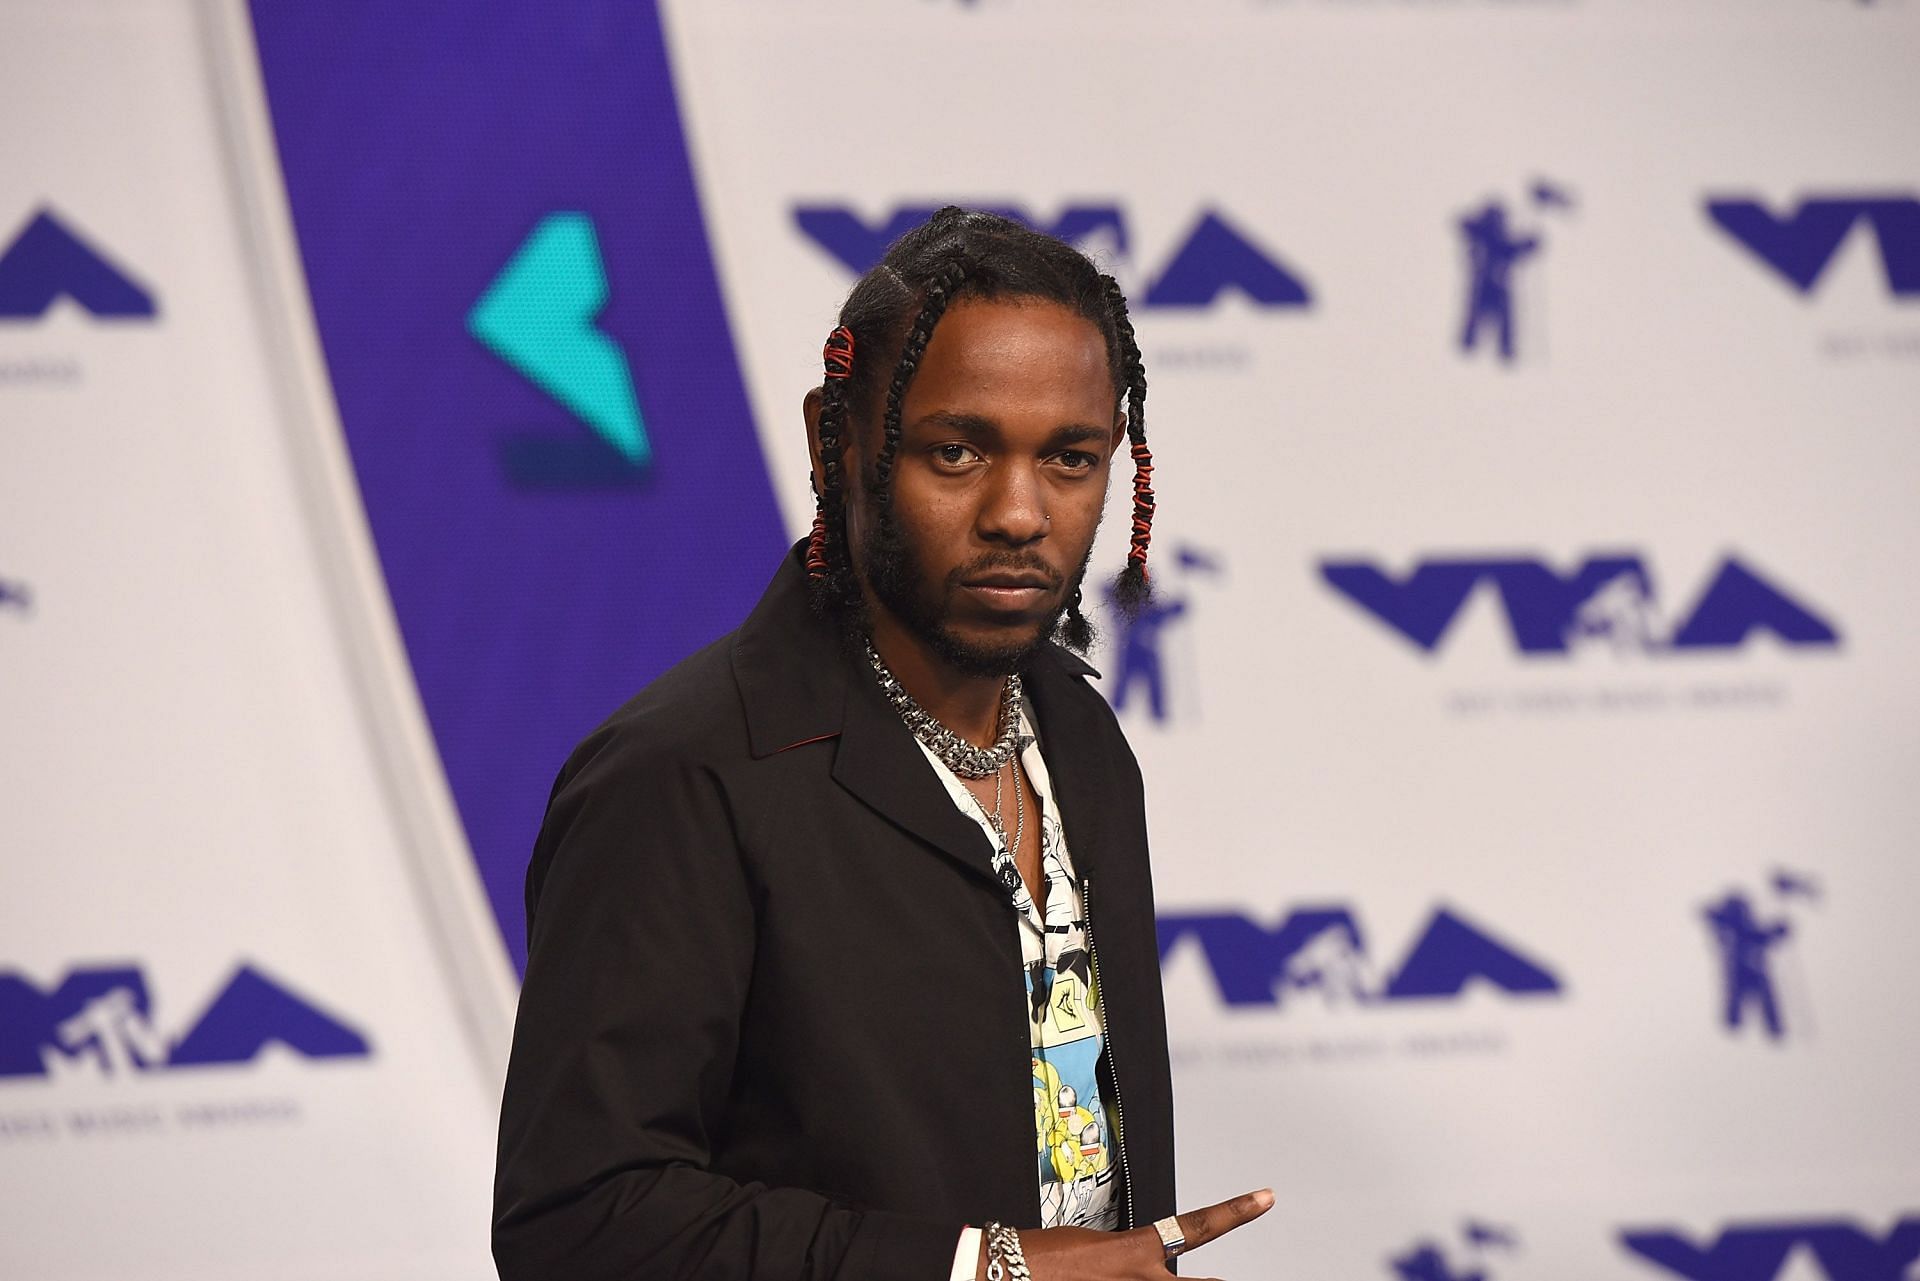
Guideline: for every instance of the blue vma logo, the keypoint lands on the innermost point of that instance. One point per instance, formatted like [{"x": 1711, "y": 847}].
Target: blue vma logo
[
  {"x": 1320, "y": 952},
  {"x": 100, "y": 1020},
  {"x": 539, "y": 316},
  {"x": 1214, "y": 258},
  {"x": 1799, "y": 243},
  {"x": 1481, "y": 1244},
  {"x": 1841, "y": 1250},
  {"x": 1607, "y": 600},
  {"x": 49, "y": 261}
]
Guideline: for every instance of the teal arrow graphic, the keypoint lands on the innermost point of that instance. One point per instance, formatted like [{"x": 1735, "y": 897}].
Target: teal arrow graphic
[{"x": 538, "y": 315}]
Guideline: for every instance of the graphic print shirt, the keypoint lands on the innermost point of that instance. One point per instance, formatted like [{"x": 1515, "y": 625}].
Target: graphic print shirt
[{"x": 1073, "y": 1132}]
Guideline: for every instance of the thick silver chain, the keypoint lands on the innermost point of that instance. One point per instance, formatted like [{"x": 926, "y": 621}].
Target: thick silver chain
[
  {"x": 1006, "y": 1261},
  {"x": 956, "y": 753}
]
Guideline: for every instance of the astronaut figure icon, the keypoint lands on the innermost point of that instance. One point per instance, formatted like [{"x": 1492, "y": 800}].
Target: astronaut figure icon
[
  {"x": 1493, "y": 250},
  {"x": 1745, "y": 944}
]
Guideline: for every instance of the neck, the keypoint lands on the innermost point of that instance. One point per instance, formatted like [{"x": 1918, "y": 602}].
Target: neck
[{"x": 968, "y": 705}]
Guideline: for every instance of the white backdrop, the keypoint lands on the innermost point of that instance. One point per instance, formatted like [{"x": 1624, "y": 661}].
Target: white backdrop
[
  {"x": 1440, "y": 966},
  {"x": 1671, "y": 397},
  {"x": 210, "y": 756}
]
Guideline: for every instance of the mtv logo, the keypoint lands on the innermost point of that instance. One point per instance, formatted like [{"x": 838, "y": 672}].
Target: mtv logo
[
  {"x": 1799, "y": 244},
  {"x": 1606, "y": 599},
  {"x": 48, "y": 261},
  {"x": 1843, "y": 1251},
  {"x": 99, "y": 1021},
  {"x": 1212, "y": 259},
  {"x": 1320, "y": 951}
]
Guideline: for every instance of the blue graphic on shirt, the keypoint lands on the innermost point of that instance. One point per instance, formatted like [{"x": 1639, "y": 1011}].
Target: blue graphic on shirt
[{"x": 1071, "y": 1143}]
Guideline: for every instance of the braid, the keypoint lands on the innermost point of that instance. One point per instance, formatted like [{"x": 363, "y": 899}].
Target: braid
[
  {"x": 1132, "y": 591},
  {"x": 1076, "y": 631},
  {"x": 829, "y": 567},
  {"x": 938, "y": 293}
]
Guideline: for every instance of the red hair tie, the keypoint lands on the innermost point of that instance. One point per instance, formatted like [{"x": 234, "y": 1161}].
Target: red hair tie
[
  {"x": 1142, "y": 505},
  {"x": 817, "y": 548},
  {"x": 838, "y": 353}
]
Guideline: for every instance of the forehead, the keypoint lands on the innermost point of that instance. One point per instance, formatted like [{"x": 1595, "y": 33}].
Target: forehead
[{"x": 1014, "y": 359}]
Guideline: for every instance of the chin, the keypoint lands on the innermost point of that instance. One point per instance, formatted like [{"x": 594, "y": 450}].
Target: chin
[{"x": 999, "y": 651}]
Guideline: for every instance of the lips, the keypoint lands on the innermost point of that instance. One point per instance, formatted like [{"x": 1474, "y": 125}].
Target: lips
[
  {"x": 1031, "y": 579},
  {"x": 1010, "y": 593}
]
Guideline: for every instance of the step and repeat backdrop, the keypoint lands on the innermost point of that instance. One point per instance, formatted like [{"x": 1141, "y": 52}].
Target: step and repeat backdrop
[{"x": 1530, "y": 733}]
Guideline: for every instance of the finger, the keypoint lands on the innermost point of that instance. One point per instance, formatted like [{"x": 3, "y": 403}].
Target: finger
[{"x": 1202, "y": 1226}]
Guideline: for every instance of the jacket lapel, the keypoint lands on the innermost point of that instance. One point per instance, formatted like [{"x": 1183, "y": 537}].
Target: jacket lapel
[
  {"x": 799, "y": 685},
  {"x": 880, "y": 763},
  {"x": 1071, "y": 739}
]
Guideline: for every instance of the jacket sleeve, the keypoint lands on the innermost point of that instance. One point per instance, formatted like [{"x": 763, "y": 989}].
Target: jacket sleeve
[{"x": 640, "y": 950}]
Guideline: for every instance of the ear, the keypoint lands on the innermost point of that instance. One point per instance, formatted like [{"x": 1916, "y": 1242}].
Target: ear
[
  {"x": 1118, "y": 444},
  {"x": 811, "y": 409}
]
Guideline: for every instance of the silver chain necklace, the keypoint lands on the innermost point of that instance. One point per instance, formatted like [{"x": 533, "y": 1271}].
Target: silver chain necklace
[
  {"x": 956, "y": 753},
  {"x": 1008, "y": 849}
]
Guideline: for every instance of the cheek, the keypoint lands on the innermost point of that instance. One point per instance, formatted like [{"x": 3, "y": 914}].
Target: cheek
[{"x": 1076, "y": 511}]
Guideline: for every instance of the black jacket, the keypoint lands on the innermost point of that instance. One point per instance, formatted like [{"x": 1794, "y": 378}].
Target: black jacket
[{"x": 773, "y": 1026}]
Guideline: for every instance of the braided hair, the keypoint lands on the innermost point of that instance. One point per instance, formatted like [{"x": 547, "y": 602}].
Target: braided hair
[{"x": 894, "y": 308}]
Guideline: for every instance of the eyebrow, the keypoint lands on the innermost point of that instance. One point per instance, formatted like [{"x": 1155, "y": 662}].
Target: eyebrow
[{"x": 977, "y": 425}]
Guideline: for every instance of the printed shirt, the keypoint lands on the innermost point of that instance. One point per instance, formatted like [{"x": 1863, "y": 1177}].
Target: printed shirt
[{"x": 1077, "y": 1171}]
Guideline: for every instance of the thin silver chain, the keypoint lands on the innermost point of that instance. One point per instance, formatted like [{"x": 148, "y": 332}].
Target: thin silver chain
[
  {"x": 955, "y": 752},
  {"x": 1019, "y": 816}
]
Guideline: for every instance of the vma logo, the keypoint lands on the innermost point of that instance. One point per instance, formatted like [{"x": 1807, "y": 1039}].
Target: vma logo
[
  {"x": 1839, "y": 1250},
  {"x": 1213, "y": 259},
  {"x": 1607, "y": 600},
  {"x": 539, "y": 316},
  {"x": 49, "y": 261},
  {"x": 16, "y": 596},
  {"x": 1798, "y": 244},
  {"x": 1320, "y": 952},
  {"x": 99, "y": 1022}
]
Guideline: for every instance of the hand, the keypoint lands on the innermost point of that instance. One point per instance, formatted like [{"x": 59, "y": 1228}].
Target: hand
[{"x": 1083, "y": 1254}]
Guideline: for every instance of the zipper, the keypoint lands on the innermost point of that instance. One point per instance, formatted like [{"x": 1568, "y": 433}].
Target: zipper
[{"x": 1113, "y": 1061}]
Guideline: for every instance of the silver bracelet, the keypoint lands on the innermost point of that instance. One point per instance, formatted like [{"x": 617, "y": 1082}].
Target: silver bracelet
[{"x": 1005, "y": 1258}]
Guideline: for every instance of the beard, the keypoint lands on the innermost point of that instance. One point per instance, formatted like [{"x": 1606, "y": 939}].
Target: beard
[{"x": 899, "y": 580}]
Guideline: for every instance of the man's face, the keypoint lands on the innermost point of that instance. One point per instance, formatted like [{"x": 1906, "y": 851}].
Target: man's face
[{"x": 1007, "y": 432}]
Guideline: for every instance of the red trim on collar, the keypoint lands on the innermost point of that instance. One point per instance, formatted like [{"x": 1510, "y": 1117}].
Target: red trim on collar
[{"x": 817, "y": 738}]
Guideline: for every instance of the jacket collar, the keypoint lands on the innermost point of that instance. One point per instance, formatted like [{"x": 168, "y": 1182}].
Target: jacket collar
[{"x": 799, "y": 684}]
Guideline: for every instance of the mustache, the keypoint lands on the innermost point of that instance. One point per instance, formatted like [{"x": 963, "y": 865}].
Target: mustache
[{"x": 1011, "y": 561}]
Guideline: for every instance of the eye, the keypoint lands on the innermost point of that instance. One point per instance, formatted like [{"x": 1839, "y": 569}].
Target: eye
[
  {"x": 954, "y": 454},
  {"x": 1079, "y": 460}
]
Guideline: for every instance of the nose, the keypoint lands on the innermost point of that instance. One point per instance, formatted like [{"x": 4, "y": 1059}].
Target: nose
[{"x": 1013, "y": 508}]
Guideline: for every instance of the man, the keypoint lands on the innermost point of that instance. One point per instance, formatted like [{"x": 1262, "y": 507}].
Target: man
[{"x": 814, "y": 988}]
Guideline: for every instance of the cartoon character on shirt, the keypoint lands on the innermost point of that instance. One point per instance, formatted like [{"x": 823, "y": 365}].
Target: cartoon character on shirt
[
  {"x": 1078, "y": 1152},
  {"x": 1046, "y": 1123}
]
